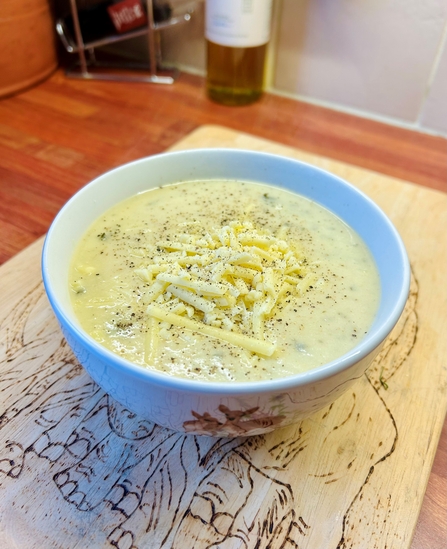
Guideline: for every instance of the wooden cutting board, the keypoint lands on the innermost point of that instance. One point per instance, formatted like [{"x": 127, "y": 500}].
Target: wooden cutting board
[{"x": 77, "y": 470}]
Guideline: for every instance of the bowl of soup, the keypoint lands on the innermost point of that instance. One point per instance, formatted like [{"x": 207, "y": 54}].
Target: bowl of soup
[{"x": 224, "y": 292}]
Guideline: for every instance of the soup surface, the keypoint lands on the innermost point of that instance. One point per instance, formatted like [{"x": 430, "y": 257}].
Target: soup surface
[{"x": 224, "y": 281}]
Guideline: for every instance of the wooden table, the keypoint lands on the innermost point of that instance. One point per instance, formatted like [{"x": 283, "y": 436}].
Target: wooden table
[{"x": 56, "y": 137}]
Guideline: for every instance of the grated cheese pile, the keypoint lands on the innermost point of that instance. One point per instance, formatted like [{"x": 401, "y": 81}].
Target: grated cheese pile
[{"x": 224, "y": 283}]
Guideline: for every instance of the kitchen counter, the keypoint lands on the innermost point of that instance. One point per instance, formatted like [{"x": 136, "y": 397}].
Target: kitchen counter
[{"x": 57, "y": 136}]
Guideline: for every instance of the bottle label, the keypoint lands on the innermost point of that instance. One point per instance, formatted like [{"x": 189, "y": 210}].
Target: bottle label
[
  {"x": 238, "y": 23},
  {"x": 127, "y": 15}
]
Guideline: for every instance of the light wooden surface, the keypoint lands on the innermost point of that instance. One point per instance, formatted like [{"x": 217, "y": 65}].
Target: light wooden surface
[{"x": 77, "y": 468}]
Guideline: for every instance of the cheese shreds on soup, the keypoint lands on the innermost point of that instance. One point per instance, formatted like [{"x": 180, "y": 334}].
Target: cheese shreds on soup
[{"x": 224, "y": 281}]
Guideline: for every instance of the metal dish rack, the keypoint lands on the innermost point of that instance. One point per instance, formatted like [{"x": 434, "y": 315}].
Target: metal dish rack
[{"x": 88, "y": 67}]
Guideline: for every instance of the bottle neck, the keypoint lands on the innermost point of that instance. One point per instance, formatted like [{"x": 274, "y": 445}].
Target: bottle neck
[{"x": 238, "y": 23}]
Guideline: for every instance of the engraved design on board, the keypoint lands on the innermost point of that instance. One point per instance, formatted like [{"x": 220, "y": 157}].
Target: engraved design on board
[{"x": 144, "y": 485}]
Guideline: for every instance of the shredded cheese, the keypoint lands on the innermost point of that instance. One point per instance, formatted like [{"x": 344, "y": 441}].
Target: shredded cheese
[
  {"x": 224, "y": 283},
  {"x": 249, "y": 343}
]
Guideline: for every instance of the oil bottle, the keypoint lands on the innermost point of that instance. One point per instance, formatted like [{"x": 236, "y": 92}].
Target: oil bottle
[{"x": 237, "y": 33}]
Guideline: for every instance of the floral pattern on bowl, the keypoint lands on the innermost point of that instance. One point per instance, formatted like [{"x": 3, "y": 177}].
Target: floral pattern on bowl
[{"x": 234, "y": 423}]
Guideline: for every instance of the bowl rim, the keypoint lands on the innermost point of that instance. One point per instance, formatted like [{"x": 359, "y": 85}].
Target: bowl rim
[{"x": 361, "y": 350}]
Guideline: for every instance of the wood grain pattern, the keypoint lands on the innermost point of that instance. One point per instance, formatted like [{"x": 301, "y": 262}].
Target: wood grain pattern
[
  {"x": 352, "y": 475},
  {"x": 57, "y": 136}
]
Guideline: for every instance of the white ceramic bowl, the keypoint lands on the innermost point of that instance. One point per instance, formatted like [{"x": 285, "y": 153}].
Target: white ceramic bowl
[{"x": 210, "y": 408}]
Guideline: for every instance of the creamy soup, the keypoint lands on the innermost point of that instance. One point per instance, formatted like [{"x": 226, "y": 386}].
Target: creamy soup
[{"x": 224, "y": 281}]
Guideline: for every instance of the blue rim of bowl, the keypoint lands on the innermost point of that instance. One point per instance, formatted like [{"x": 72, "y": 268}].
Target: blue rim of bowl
[{"x": 283, "y": 384}]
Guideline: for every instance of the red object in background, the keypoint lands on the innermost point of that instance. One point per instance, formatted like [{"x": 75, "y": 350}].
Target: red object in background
[{"x": 127, "y": 15}]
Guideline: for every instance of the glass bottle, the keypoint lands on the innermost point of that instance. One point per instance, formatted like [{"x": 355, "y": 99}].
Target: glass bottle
[{"x": 237, "y": 33}]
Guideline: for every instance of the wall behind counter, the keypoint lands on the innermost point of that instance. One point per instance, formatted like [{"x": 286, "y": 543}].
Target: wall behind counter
[{"x": 383, "y": 59}]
